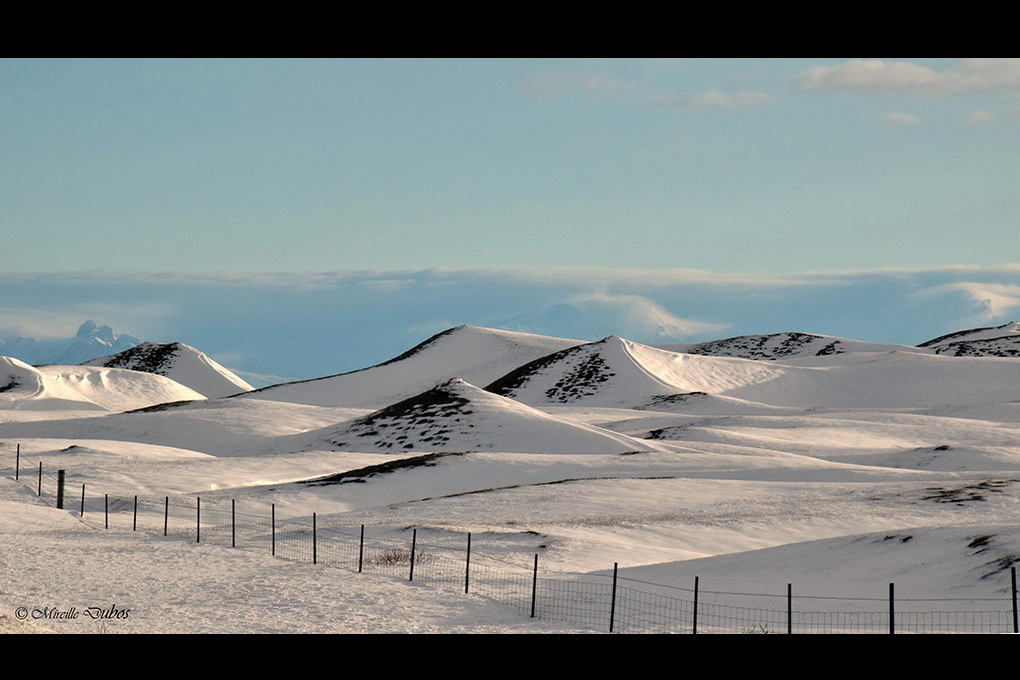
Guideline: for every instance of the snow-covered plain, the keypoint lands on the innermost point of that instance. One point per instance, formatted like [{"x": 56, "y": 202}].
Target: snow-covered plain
[{"x": 825, "y": 468}]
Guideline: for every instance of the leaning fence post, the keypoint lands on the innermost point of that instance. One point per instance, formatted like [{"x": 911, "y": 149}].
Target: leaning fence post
[
  {"x": 82, "y": 514},
  {"x": 467, "y": 564},
  {"x": 695, "y": 629},
  {"x": 612, "y": 603},
  {"x": 534, "y": 585},
  {"x": 361, "y": 549},
  {"x": 892, "y": 611},
  {"x": 414, "y": 542},
  {"x": 60, "y": 489}
]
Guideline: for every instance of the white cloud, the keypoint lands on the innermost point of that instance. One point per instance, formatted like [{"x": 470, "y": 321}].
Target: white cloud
[
  {"x": 981, "y": 118},
  {"x": 900, "y": 118},
  {"x": 730, "y": 100},
  {"x": 991, "y": 301},
  {"x": 875, "y": 75}
]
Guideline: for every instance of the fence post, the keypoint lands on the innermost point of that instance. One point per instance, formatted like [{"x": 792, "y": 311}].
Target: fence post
[
  {"x": 134, "y": 516},
  {"x": 233, "y": 526},
  {"x": 789, "y": 608},
  {"x": 82, "y": 514},
  {"x": 60, "y": 489},
  {"x": 106, "y": 509},
  {"x": 17, "y": 463},
  {"x": 467, "y": 565},
  {"x": 166, "y": 514},
  {"x": 695, "y": 629},
  {"x": 612, "y": 603},
  {"x": 39, "y": 492},
  {"x": 361, "y": 549},
  {"x": 1016, "y": 621},
  {"x": 892, "y": 611},
  {"x": 198, "y": 519},
  {"x": 274, "y": 528},
  {"x": 315, "y": 542},
  {"x": 534, "y": 586},
  {"x": 414, "y": 542}
]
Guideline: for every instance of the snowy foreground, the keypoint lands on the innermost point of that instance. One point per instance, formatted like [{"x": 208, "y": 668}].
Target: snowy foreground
[{"x": 782, "y": 480}]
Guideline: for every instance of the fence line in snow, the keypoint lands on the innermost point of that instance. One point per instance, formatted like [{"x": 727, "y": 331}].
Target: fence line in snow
[{"x": 599, "y": 602}]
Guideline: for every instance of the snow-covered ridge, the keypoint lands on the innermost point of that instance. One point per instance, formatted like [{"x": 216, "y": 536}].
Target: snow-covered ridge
[
  {"x": 54, "y": 387},
  {"x": 476, "y": 355},
  {"x": 777, "y": 346},
  {"x": 458, "y": 416},
  {"x": 179, "y": 362},
  {"x": 995, "y": 341}
]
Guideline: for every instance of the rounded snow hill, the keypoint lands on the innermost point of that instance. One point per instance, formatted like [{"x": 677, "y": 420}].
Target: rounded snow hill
[
  {"x": 53, "y": 387},
  {"x": 782, "y": 346},
  {"x": 477, "y": 355},
  {"x": 997, "y": 341},
  {"x": 179, "y": 362},
  {"x": 457, "y": 416},
  {"x": 617, "y": 372}
]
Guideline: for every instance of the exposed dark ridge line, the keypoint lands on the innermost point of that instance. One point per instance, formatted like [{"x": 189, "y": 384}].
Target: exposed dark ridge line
[
  {"x": 409, "y": 353},
  {"x": 957, "y": 334},
  {"x": 516, "y": 378},
  {"x": 360, "y": 474},
  {"x": 165, "y": 406}
]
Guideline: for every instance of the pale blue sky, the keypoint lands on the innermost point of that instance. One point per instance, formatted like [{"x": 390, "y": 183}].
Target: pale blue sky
[
  {"x": 722, "y": 165},
  {"x": 297, "y": 217}
]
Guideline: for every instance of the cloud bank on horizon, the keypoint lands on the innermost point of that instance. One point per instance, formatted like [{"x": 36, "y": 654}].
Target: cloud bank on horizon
[{"x": 305, "y": 325}]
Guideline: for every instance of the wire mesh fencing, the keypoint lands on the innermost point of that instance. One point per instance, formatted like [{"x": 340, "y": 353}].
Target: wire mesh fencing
[{"x": 595, "y": 602}]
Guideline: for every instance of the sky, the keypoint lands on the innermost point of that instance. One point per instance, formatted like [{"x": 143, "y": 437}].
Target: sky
[{"x": 626, "y": 193}]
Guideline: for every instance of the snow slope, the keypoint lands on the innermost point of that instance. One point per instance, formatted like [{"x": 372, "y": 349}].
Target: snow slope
[
  {"x": 48, "y": 387},
  {"x": 782, "y": 346},
  {"x": 476, "y": 355},
  {"x": 997, "y": 341},
  {"x": 179, "y": 362},
  {"x": 838, "y": 473}
]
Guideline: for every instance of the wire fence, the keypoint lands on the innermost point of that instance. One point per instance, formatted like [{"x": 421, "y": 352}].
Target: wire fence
[{"x": 597, "y": 602}]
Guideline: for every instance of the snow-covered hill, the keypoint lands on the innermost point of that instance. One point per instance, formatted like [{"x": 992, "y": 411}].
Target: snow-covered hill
[
  {"x": 997, "y": 341},
  {"x": 865, "y": 462},
  {"x": 457, "y": 416},
  {"x": 179, "y": 362},
  {"x": 476, "y": 355},
  {"x": 781, "y": 346},
  {"x": 56, "y": 388}
]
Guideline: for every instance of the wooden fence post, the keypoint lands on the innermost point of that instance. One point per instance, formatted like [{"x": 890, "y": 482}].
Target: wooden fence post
[
  {"x": 534, "y": 586},
  {"x": 695, "y": 629},
  {"x": 315, "y": 542},
  {"x": 60, "y": 489},
  {"x": 361, "y": 549},
  {"x": 892, "y": 610},
  {"x": 414, "y": 543}
]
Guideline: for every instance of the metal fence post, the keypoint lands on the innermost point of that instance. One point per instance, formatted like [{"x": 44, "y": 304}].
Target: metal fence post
[
  {"x": 612, "y": 602},
  {"x": 467, "y": 564}
]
